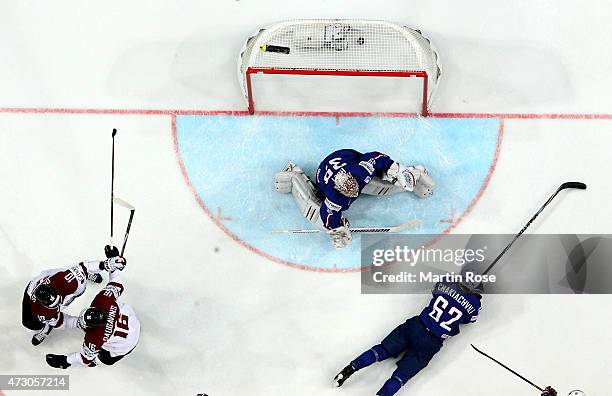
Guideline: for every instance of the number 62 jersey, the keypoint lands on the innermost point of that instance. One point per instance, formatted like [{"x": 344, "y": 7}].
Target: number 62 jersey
[{"x": 450, "y": 307}]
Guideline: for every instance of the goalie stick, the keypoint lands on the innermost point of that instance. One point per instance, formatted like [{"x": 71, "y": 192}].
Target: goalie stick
[
  {"x": 566, "y": 185},
  {"x": 508, "y": 368},
  {"x": 398, "y": 228}
]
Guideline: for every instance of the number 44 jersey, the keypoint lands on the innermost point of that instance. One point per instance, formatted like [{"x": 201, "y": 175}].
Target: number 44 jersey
[{"x": 449, "y": 308}]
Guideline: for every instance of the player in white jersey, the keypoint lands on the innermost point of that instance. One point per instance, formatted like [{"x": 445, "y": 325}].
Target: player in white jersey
[
  {"x": 50, "y": 292},
  {"x": 112, "y": 329}
]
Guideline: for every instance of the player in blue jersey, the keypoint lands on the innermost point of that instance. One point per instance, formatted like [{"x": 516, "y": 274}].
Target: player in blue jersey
[
  {"x": 421, "y": 337},
  {"x": 341, "y": 177}
]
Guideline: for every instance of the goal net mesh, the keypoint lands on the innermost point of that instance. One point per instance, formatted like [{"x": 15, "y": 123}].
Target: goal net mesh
[{"x": 342, "y": 46}]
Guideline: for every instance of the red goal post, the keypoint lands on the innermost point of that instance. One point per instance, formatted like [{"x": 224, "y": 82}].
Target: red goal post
[{"x": 335, "y": 47}]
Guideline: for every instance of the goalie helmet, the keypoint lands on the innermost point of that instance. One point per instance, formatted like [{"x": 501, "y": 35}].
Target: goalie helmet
[
  {"x": 346, "y": 184},
  {"x": 46, "y": 295},
  {"x": 92, "y": 317}
]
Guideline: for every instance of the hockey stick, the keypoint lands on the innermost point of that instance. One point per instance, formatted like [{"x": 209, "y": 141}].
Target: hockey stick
[
  {"x": 577, "y": 185},
  {"x": 132, "y": 210},
  {"x": 508, "y": 368},
  {"x": 399, "y": 228},
  {"x": 112, "y": 186}
]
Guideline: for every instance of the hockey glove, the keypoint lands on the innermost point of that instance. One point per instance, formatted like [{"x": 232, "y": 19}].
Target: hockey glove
[
  {"x": 111, "y": 251},
  {"x": 58, "y": 361},
  {"x": 341, "y": 236},
  {"x": 96, "y": 278},
  {"x": 549, "y": 391},
  {"x": 115, "y": 263},
  {"x": 403, "y": 176}
]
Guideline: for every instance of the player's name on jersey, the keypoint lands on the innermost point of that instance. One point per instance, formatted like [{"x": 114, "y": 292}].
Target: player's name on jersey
[{"x": 429, "y": 276}]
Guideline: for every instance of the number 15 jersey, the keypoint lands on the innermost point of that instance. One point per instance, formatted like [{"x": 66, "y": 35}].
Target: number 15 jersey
[{"x": 450, "y": 307}]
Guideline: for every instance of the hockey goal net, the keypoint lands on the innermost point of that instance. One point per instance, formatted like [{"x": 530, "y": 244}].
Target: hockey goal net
[{"x": 340, "y": 47}]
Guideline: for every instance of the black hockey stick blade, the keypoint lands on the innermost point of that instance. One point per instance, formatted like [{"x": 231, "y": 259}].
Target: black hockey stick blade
[
  {"x": 127, "y": 231},
  {"x": 507, "y": 368},
  {"x": 578, "y": 185}
]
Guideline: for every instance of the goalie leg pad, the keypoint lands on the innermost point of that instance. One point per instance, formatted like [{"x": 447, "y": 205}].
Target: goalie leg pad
[
  {"x": 379, "y": 186},
  {"x": 283, "y": 180},
  {"x": 293, "y": 180},
  {"x": 304, "y": 194}
]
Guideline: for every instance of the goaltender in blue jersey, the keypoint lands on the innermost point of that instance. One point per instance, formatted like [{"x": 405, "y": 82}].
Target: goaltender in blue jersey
[
  {"x": 341, "y": 177},
  {"x": 419, "y": 338}
]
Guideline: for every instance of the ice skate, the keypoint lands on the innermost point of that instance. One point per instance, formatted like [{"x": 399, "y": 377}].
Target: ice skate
[{"x": 39, "y": 337}]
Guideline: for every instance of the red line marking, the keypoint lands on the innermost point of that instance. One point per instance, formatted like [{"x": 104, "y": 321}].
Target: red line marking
[
  {"x": 220, "y": 216},
  {"x": 170, "y": 112},
  {"x": 451, "y": 219},
  {"x": 524, "y": 116}
]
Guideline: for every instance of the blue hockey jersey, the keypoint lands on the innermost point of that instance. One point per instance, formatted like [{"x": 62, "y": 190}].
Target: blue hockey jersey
[
  {"x": 362, "y": 167},
  {"x": 450, "y": 307}
]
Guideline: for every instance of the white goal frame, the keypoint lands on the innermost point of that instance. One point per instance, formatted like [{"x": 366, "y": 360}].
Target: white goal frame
[{"x": 414, "y": 56}]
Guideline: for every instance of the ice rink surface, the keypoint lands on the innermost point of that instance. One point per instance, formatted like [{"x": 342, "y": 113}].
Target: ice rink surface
[{"x": 220, "y": 315}]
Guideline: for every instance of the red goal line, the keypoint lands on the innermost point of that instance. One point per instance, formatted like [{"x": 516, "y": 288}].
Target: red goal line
[{"x": 178, "y": 112}]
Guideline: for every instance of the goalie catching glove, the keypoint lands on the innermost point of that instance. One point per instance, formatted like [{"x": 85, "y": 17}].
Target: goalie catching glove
[{"x": 415, "y": 179}]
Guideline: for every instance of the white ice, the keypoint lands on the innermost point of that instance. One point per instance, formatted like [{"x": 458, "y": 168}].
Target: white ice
[{"x": 217, "y": 319}]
